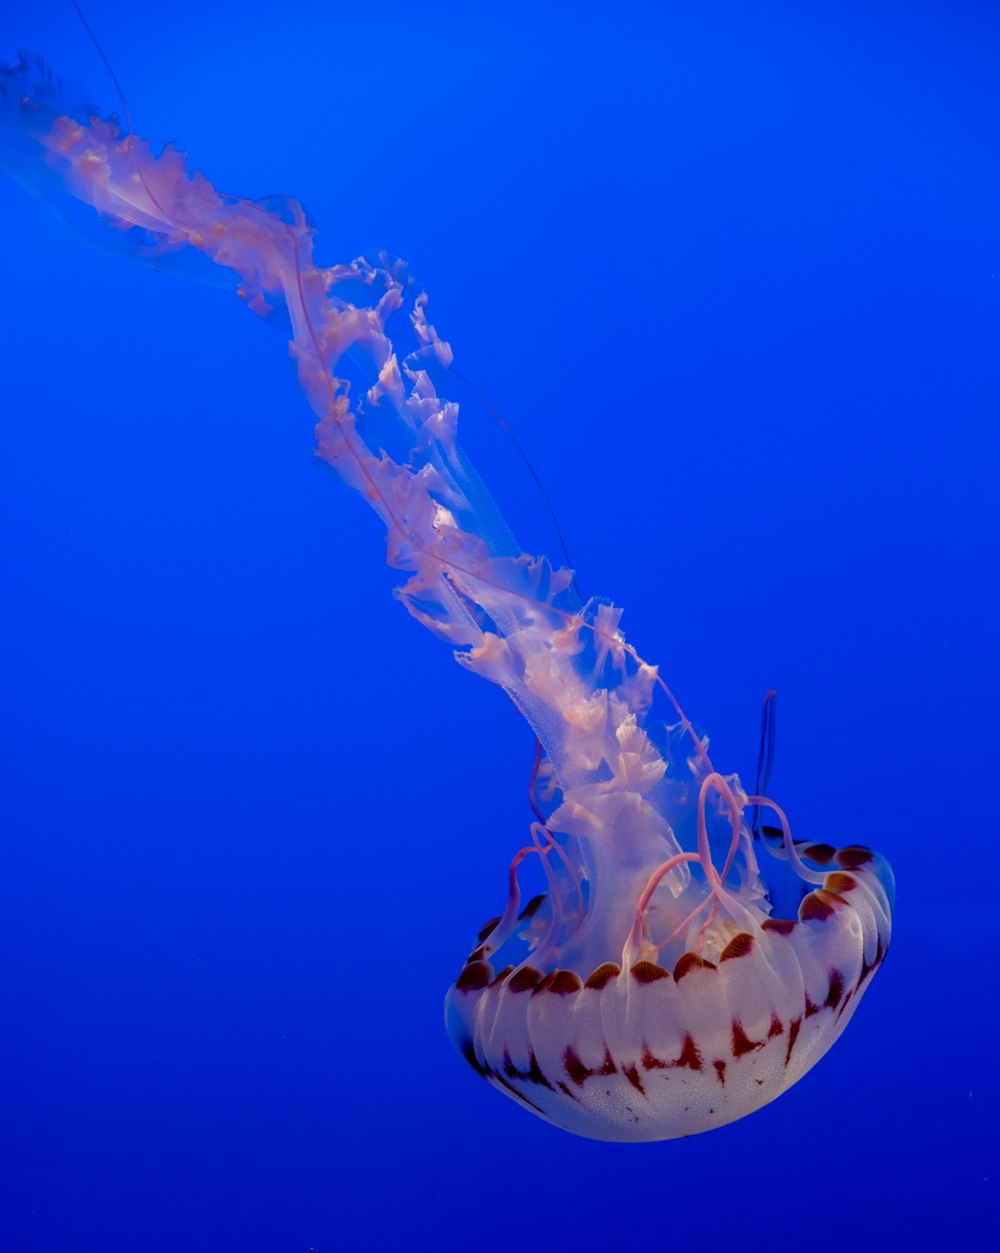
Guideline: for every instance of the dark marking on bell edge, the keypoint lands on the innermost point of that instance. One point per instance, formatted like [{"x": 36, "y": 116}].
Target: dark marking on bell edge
[
  {"x": 545, "y": 984},
  {"x": 739, "y": 946},
  {"x": 603, "y": 976},
  {"x": 816, "y": 906},
  {"x": 649, "y": 1062},
  {"x": 854, "y": 855},
  {"x": 487, "y": 929},
  {"x": 565, "y": 983},
  {"x": 776, "y": 1027},
  {"x": 811, "y": 1009},
  {"x": 793, "y": 1035},
  {"x": 532, "y": 1075},
  {"x": 836, "y": 992},
  {"x": 532, "y": 907},
  {"x": 867, "y": 969},
  {"x": 580, "y": 1073},
  {"x": 575, "y": 1068},
  {"x": 525, "y": 979},
  {"x": 474, "y": 977},
  {"x": 632, "y": 1075},
  {"x": 720, "y": 1072},
  {"x": 561, "y": 982},
  {"x": 501, "y": 976},
  {"x": 507, "y": 1086},
  {"x": 782, "y": 926},
  {"x": 494, "y": 1076},
  {"x": 742, "y": 1042},
  {"x": 822, "y": 854},
  {"x": 469, "y": 1053},
  {"x": 688, "y": 962},
  {"x": 648, "y": 972},
  {"x": 836, "y": 881},
  {"x": 689, "y": 1057}
]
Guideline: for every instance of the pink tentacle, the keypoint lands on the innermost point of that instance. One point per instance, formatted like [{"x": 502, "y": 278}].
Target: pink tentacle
[
  {"x": 718, "y": 896},
  {"x": 541, "y": 953},
  {"x": 508, "y": 920},
  {"x": 798, "y": 865},
  {"x": 634, "y": 941}
]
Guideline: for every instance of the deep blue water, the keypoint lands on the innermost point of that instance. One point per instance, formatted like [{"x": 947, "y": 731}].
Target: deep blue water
[{"x": 732, "y": 273}]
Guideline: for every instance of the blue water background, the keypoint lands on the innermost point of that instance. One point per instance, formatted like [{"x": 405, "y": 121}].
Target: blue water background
[{"x": 732, "y": 273}]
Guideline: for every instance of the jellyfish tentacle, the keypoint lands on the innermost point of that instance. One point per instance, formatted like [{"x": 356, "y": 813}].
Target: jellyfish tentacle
[
  {"x": 798, "y": 865},
  {"x": 716, "y": 881},
  {"x": 572, "y": 874},
  {"x": 560, "y": 851},
  {"x": 765, "y": 753},
  {"x": 532, "y": 799},
  {"x": 636, "y": 943},
  {"x": 541, "y": 953},
  {"x": 508, "y": 919}
]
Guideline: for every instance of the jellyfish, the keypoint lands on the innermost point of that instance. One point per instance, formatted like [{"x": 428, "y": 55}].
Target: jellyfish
[{"x": 686, "y": 962}]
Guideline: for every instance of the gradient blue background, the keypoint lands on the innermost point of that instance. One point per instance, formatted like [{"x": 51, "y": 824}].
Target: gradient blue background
[{"x": 732, "y": 272}]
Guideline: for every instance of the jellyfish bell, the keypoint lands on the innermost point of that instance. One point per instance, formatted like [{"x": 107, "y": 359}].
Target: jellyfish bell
[{"x": 631, "y": 1004}]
